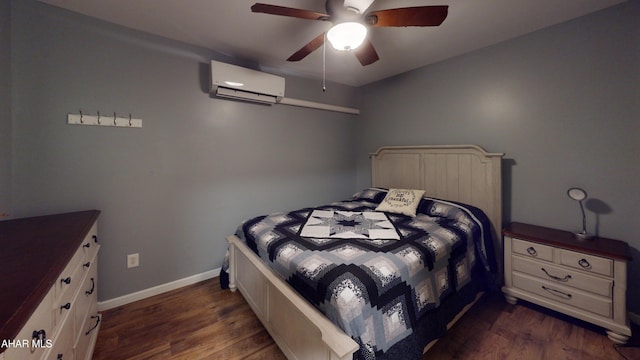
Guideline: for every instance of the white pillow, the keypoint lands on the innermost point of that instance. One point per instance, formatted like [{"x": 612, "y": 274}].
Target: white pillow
[{"x": 401, "y": 201}]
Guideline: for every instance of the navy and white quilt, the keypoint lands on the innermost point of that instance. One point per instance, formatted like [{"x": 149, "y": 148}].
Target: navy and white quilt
[{"x": 390, "y": 281}]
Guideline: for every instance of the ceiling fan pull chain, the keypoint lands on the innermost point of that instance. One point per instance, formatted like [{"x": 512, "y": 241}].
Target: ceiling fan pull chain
[{"x": 324, "y": 63}]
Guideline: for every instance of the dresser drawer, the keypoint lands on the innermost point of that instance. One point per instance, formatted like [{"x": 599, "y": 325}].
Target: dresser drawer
[
  {"x": 533, "y": 250},
  {"x": 87, "y": 335},
  {"x": 65, "y": 301},
  {"x": 590, "y": 263},
  {"x": 40, "y": 325},
  {"x": 63, "y": 344},
  {"x": 563, "y": 294},
  {"x": 90, "y": 243},
  {"x": 68, "y": 277},
  {"x": 88, "y": 295},
  {"x": 564, "y": 276}
]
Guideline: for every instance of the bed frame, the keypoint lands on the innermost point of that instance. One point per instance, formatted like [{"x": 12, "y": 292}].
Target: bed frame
[{"x": 464, "y": 173}]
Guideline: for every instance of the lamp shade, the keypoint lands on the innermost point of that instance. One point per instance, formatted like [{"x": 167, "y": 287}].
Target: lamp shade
[{"x": 347, "y": 35}]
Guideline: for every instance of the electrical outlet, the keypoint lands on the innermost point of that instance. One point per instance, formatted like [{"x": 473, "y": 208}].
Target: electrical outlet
[{"x": 133, "y": 260}]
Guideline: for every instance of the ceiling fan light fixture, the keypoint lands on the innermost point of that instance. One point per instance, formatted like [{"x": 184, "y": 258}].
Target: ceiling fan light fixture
[{"x": 347, "y": 35}]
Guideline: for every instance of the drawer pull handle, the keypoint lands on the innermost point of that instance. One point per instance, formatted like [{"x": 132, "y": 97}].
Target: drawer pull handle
[
  {"x": 59, "y": 357},
  {"x": 66, "y": 281},
  {"x": 39, "y": 337},
  {"x": 93, "y": 287},
  {"x": 66, "y": 306},
  {"x": 87, "y": 264},
  {"x": 87, "y": 245},
  {"x": 557, "y": 292},
  {"x": 97, "y": 317},
  {"x": 584, "y": 263},
  {"x": 564, "y": 279},
  {"x": 95, "y": 238},
  {"x": 532, "y": 251}
]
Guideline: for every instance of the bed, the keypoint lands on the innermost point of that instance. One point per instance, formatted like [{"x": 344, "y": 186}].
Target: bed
[{"x": 358, "y": 292}]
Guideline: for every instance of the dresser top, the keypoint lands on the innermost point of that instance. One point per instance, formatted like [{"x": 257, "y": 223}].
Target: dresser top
[
  {"x": 33, "y": 253},
  {"x": 599, "y": 246}
]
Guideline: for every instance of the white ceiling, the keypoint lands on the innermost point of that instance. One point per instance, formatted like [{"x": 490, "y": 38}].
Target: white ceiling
[{"x": 229, "y": 27}]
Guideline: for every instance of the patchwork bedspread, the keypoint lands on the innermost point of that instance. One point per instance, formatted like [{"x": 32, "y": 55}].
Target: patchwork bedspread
[{"x": 390, "y": 281}]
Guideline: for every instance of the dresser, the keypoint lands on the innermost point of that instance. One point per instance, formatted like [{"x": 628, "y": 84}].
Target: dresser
[
  {"x": 586, "y": 279},
  {"x": 48, "y": 292}
]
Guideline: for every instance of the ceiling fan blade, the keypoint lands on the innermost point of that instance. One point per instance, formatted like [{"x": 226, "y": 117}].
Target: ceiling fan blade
[
  {"x": 287, "y": 11},
  {"x": 410, "y": 16},
  {"x": 366, "y": 53},
  {"x": 307, "y": 49}
]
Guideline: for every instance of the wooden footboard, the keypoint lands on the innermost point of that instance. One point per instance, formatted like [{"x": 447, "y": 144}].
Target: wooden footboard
[{"x": 299, "y": 329}]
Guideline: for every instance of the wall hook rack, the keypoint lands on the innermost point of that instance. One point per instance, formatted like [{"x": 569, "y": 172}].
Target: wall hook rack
[{"x": 101, "y": 120}]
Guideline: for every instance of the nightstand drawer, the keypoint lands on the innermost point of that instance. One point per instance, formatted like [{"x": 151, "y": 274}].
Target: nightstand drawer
[
  {"x": 563, "y": 294},
  {"x": 532, "y": 250},
  {"x": 564, "y": 276},
  {"x": 586, "y": 262}
]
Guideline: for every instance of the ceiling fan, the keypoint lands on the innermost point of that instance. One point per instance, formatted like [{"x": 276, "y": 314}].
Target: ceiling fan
[{"x": 351, "y": 22}]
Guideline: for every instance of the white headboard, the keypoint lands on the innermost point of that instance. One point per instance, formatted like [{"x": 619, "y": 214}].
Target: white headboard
[{"x": 463, "y": 173}]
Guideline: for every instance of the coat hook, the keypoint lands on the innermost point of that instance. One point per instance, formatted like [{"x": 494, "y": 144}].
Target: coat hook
[
  {"x": 114, "y": 119},
  {"x": 99, "y": 118},
  {"x": 129, "y": 119}
]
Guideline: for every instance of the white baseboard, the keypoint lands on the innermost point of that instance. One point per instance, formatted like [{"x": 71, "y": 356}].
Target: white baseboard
[
  {"x": 634, "y": 318},
  {"x": 143, "y": 294}
]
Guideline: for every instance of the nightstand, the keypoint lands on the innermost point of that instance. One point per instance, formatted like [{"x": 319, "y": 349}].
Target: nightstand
[{"x": 586, "y": 279}]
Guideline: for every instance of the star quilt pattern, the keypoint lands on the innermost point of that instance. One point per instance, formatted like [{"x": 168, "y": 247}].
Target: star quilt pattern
[{"x": 349, "y": 224}]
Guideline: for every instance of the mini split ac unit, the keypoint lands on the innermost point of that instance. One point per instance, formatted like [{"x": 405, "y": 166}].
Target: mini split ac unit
[{"x": 235, "y": 82}]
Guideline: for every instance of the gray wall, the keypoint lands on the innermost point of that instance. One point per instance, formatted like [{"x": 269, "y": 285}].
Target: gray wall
[
  {"x": 5, "y": 107},
  {"x": 562, "y": 103},
  {"x": 174, "y": 189}
]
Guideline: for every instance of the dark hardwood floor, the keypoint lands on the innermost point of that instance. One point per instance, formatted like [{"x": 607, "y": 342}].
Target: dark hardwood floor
[{"x": 201, "y": 321}]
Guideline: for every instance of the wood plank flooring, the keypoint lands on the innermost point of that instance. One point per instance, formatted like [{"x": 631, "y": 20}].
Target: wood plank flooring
[{"x": 201, "y": 321}]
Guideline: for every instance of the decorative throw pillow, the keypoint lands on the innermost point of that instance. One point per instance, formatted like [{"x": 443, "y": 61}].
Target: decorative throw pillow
[
  {"x": 371, "y": 194},
  {"x": 401, "y": 201}
]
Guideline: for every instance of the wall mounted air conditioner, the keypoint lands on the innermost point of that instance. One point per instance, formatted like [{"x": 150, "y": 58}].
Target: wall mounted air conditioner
[{"x": 235, "y": 82}]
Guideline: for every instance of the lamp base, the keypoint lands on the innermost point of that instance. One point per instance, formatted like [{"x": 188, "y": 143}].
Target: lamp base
[{"x": 583, "y": 235}]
